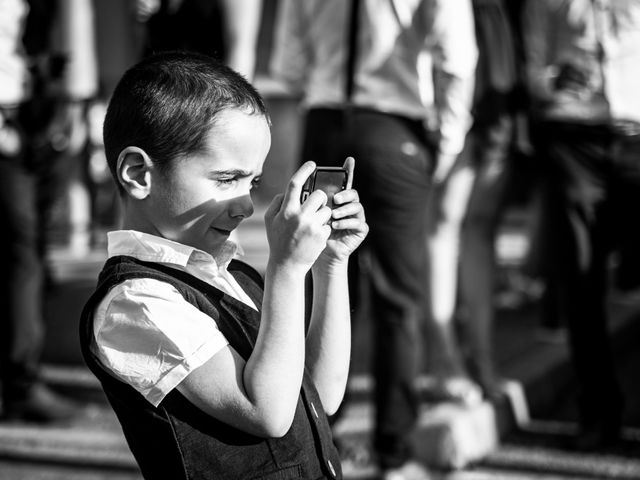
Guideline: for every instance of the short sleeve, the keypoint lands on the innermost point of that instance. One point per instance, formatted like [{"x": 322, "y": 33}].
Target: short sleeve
[{"x": 151, "y": 338}]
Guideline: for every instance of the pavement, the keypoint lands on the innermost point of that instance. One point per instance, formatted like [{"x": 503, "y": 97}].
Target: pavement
[{"x": 451, "y": 438}]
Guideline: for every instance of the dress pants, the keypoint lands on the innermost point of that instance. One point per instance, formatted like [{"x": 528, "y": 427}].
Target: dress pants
[
  {"x": 595, "y": 174},
  {"x": 393, "y": 169},
  {"x": 29, "y": 185}
]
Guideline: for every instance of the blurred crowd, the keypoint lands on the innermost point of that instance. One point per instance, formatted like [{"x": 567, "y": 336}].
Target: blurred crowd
[
  {"x": 456, "y": 112},
  {"x": 59, "y": 62}
]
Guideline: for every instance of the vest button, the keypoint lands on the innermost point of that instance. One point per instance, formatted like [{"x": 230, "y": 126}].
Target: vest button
[{"x": 331, "y": 469}]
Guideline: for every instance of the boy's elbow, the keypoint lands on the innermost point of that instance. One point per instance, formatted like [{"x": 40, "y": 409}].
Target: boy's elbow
[
  {"x": 332, "y": 393},
  {"x": 331, "y": 405},
  {"x": 276, "y": 426}
]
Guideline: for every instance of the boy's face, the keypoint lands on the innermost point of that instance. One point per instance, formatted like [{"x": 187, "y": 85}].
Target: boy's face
[{"x": 205, "y": 196}]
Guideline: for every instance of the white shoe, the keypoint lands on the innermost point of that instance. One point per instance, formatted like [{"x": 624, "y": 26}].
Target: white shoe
[{"x": 410, "y": 470}]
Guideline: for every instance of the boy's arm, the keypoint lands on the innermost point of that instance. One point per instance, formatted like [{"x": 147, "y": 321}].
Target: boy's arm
[
  {"x": 260, "y": 396},
  {"x": 329, "y": 335}
]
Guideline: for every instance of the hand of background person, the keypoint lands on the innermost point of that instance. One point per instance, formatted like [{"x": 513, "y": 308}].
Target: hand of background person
[
  {"x": 444, "y": 165},
  {"x": 348, "y": 225},
  {"x": 145, "y": 9},
  {"x": 297, "y": 233},
  {"x": 68, "y": 131},
  {"x": 10, "y": 139},
  {"x": 572, "y": 77}
]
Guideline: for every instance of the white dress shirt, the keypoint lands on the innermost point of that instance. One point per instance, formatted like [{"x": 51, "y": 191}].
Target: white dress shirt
[
  {"x": 416, "y": 58},
  {"x": 14, "y": 73},
  {"x": 600, "y": 36},
  {"x": 145, "y": 332}
]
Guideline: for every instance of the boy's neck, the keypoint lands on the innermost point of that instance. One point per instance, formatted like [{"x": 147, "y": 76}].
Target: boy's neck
[{"x": 132, "y": 219}]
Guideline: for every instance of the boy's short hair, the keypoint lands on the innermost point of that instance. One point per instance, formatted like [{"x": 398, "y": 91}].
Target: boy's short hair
[{"x": 167, "y": 104}]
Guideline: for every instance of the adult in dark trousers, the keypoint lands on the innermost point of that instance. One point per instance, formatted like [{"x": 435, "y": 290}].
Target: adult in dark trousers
[
  {"x": 389, "y": 83},
  {"x": 583, "y": 71},
  {"x": 41, "y": 110}
]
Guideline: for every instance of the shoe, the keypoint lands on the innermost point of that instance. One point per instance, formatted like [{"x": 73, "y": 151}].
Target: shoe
[
  {"x": 410, "y": 470},
  {"x": 458, "y": 390},
  {"x": 355, "y": 455},
  {"x": 39, "y": 404},
  {"x": 595, "y": 437}
]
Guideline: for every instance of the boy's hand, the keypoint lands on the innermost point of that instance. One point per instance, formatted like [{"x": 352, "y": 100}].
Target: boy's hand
[
  {"x": 348, "y": 224},
  {"x": 297, "y": 233}
]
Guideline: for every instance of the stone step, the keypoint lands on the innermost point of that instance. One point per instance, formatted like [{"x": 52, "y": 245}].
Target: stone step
[
  {"x": 93, "y": 438},
  {"x": 539, "y": 448},
  {"x": 448, "y": 436}
]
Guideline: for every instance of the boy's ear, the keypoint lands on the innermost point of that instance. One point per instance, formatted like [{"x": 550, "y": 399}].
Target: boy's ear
[{"x": 134, "y": 172}]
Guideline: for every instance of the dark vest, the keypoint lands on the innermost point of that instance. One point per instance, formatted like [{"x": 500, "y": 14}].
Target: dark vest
[{"x": 176, "y": 440}]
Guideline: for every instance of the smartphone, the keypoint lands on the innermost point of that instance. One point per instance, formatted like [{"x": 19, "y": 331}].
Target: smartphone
[{"x": 331, "y": 180}]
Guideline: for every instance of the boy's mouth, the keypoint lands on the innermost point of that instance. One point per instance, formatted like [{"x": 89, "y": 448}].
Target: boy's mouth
[{"x": 225, "y": 230}]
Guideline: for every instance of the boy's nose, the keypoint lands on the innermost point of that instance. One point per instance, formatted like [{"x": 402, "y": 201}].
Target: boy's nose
[{"x": 242, "y": 207}]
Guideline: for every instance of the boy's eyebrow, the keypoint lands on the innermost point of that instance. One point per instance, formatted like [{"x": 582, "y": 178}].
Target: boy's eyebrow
[{"x": 235, "y": 172}]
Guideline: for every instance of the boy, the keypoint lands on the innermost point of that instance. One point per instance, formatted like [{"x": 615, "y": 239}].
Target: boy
[{"x": 210, "y": 376}]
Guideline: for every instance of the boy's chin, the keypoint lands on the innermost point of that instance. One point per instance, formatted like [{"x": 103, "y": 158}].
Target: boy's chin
[
  {"x": 220, "y": 242},
  {"x": 225, "y": 251}
]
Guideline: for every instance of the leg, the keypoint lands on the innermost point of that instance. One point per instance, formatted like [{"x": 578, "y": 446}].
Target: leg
[
  {"x": 447, "y": 209},
  {"x": 21, "y": 283},
  {"x": 477, "y": 261},
  {"x": 581, "y": 155},
  {"x": 21, "y": 297},
  {"x": 392, "y": 171}
]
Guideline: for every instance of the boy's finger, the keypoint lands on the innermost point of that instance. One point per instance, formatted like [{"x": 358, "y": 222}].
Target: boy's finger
[
  {"x": 350, "y": 165},
  {"x": 315, "y": 202},
  {"x": 274, "y": 206},
  {"x": 324, "y": 215},
  {"x": 354, "y": 224},
  {"x": 349, "y": 210},
  {"x": 346, "y": 196},
  {"x": 294, "y": 188}
]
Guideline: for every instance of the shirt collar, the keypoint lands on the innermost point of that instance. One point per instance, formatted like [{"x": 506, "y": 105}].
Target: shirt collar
[{"x": 151, "y": 248}]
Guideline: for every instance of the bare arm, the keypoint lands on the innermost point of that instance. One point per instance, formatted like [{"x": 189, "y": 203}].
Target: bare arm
[
  {"x": 242, "y": 23},
  {"x": 329, "y": 335},
  {"x": 455, "y": 57},
  {"x": 291, "y": 54},
  {"x": 540, "y": 71}
]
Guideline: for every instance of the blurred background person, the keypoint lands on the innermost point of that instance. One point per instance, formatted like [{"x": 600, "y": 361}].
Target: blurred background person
[
  {"x": 224, "y": 29},
  {"x": 464, "y": 212},
  {"x": 47, "y": 74},
  {"x": 389, "y": 83},
  {"x": 583, "y": 72}
]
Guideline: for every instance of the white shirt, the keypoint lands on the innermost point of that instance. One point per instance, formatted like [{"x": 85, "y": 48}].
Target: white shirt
[
  {"x": 401, "y": 45},
  {"x": 145, "y": 332},
  {"x": 73, "y": 34},
  {"x": 603, "y": 38},
  {"x": 14, "y": 73}
]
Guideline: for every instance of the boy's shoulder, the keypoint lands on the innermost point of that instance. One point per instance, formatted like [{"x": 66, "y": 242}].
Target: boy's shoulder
[
  {"x": 122, "y": 267},
  {"x": 239, "y": 267}
]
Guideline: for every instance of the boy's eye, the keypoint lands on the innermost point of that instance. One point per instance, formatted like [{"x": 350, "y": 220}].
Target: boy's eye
[
  {"x": 255, "y": 183},
  {"x": 226, "y": 182}
]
